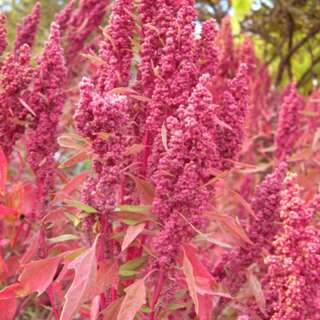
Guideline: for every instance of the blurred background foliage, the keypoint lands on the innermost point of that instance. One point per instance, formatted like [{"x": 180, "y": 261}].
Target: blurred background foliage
[{"x": 286, "y": 33}]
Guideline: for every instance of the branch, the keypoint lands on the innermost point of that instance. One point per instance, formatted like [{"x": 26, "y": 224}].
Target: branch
[
  {"x": 304, "y": 77},
  {"x": 294, "y": 48}
]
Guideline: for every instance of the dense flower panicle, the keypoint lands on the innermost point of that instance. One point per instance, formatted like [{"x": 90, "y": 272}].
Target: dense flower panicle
[
  {"x": 97, "y": 115},
  {"x": 262, "y": 230},
  {"x": 156, "y": 17},
  {"x": 184, "y": 168},
  {"x": 104, "y": 120},
  {"x": 63, "y": 17},
  {"x": 26, "y": 31},
  {"x": 266, "y": 204},
  {"x": 288, "y": 123},
  {"x": 3, "y": 33},
  {"x": 228, "y": 62},
  {"x": 294, "y": 268},
  {"x": 248, "y": 56},
  {"x": 178, "y": 71},
  {"x": 83, "y": 22},
  {"x": 16, "y": 76},
  {"x": 46, "y": 100},
  {"x": 313, "y": 105},
  {"x": 116, "y": 50},
  {"x": 232, "y": 112},
  {"x": 209, "y": 55}
]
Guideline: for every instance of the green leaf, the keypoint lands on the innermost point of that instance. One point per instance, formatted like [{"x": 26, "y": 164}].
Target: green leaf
[
  {"x": 177, "y": 306},
  {"x": 84, "y": 207},
  {"x": 127, "y": 273},
  {"x": 133, "y": 208},
  {"x": 63, "y": 237},
  {"x": 74, "y": 219},
  {"x": 130, "y": 267}
]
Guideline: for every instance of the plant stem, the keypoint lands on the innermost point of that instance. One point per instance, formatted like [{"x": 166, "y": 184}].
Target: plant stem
[{"x": 156, "y": 294}]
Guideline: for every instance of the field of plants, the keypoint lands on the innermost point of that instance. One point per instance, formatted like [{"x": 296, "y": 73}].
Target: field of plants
[{"x": 153, "y": 168}]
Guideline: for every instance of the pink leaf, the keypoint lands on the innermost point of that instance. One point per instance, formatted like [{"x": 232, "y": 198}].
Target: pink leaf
[
  {"x": 38, "y": 275},
  {"x": 256, "y": 290},
  {"x": 8, "y": 309},
  {"x": 107, "y": 277},
  {"x": 8, "y": 212},
  {"x": 27, "y": 107},
  {"x": 145, "y": 189},
  {"x": 134, "y": 299},
  {"x": 72, "y": 185},
  {"x": 3, "y": 170},
  {"x": 94, "y": 311},
  {"x": 85, "y": 268},
  {"x": 111, "y": 312},
  {"x": 8, "y": 302},
  {"x": 200, "y": 283},
  {"x": 32, "y": 249},
  {"x": 131, "y": 235}
]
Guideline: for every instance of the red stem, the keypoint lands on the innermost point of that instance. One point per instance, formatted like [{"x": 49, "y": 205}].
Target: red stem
[
  {"x": 145, "y": 154},
  {"x": 51, "y": 295},
  {"x": 156, "y": 294}
]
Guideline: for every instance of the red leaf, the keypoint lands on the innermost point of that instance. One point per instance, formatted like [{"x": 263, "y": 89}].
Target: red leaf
[
  {"x": 73, "y": 160},
  {"x": 131, "y": 235},
  {"x": 112, "y": 310},
  {"x": 72, "y": 141},
  {"x": 145, "y": 190},
  {"x": 3, "y": 170},
  {"x": 32, "y": 249},
  {"x": 38, "y": 275},
  {"x": 8, "y": 302},
  {"x": 256, "y": 289},
  {"x": 8, "y": 309},
  {"x": 200, "y": 283},
  {"x": 107, "y": 277},
  {"x": 134, "y": 299},
  {"x": 27, "y": 107},
  {"x": 28, "y": 199},
  {"x": 85, "y": 268},
  {"x": 94, "y": 311},
  {"x": 72, "y": 185},
  {"x": 8, "y": 212}
]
